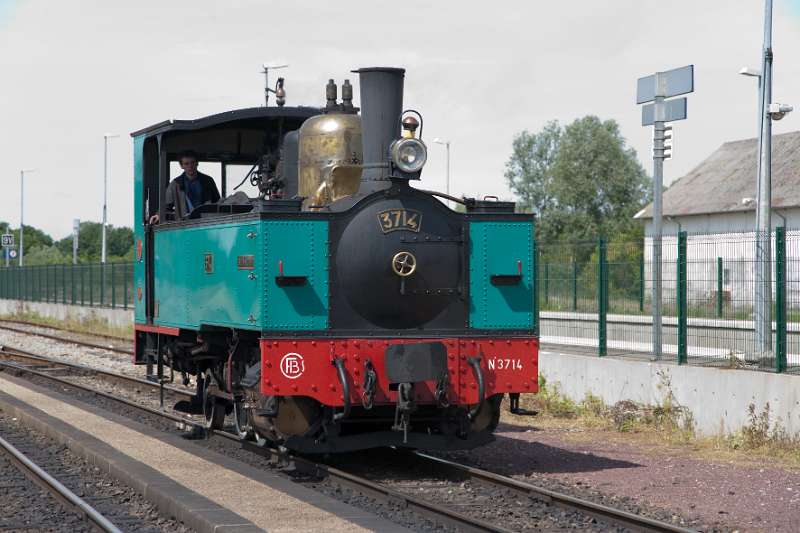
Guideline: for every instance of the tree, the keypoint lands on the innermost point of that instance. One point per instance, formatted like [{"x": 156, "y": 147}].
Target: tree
[
  {"x": 529, "y": 170},
  {"x": 118, "y": 240},
  {"x": 45, "y": 255},
  {"x": 582, "y": 180},
  {"x": 34, "y": 237}
]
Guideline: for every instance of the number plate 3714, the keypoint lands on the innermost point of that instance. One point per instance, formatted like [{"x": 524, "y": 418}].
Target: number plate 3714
[{"x": 400, "y": 219}]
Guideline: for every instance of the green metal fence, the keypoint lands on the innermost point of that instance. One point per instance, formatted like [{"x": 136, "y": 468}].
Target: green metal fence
[
  {"x": 593, "y": 296},
  {"x": 92, "y": 284},
  {"x": 596, "y": 297}
]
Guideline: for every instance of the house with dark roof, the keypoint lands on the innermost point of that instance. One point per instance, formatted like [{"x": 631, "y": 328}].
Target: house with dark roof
[
  {"x": 719, "y": 195},
  {"x": 715, "y": 204}
]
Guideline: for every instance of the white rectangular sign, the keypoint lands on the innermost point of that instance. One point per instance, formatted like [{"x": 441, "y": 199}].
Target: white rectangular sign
[
  {"x": 673, "y": 110},
  {"x": 678, "y": 81}
]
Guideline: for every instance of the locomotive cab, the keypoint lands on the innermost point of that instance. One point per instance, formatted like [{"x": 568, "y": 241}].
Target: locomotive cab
[{"x": 341, "y": 308}]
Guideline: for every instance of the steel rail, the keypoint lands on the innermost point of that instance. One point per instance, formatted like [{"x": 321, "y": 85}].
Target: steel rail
[
  {"x": 66, "y": 330},
  {"x": 67, "y": 340},
  {"x": 380, "y": 492},
  {"x": 384, "y": 493},
  {"x": 51, "y": 485},
  {"x": 303, "y": 465},
  {"x": 18, "y": 353},
  {"x": 601, "y": 512}
]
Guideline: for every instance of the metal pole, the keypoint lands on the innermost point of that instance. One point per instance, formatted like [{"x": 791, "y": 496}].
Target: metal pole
[
  {"x": 574, "y": 284},
  {"x": 105, "y": 197},
  {"x": 21, "y": 215},
  {"x": 76, "y": 228},
  {"x": 658, "y": 183},
  {"x": 602, "y": 298},
  {"x": 719, "y": 287},
  {"x": 763, "y": 285},
  {"x": 5, "y": 250},
  {"x": 682, "y": 300},
  {"x": 780, "y": 299}
]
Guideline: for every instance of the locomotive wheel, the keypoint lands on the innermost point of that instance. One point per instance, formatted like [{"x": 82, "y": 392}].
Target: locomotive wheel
[{"x": 213, "y": 409}]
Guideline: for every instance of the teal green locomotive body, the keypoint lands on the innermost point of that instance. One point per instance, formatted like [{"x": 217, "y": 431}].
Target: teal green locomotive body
[{"x": 378, "y": 317}]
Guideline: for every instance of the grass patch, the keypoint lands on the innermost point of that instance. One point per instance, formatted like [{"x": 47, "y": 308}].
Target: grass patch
[
  {"x": 92, "y": 324},
  {"x": 762, "y": 436},
  {"x": 763, "y": 439},
  {"x": 668, "y": 418}
]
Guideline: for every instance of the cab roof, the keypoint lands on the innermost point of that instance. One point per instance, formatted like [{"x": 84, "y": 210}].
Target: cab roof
[{"x": 247, "y": 115}]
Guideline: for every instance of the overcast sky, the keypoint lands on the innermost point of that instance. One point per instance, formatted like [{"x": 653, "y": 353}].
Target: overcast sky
[{"x": 479, "y": 72}]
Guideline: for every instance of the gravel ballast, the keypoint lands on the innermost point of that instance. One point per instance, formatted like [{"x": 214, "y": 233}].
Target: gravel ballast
[{"x": 26, "y": 507}]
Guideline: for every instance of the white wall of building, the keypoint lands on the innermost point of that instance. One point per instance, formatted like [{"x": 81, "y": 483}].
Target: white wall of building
[{"x": 728, "y": 236}]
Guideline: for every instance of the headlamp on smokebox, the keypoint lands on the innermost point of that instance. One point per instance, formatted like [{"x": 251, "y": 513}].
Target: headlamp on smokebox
[{"x": 408, "y": 153}]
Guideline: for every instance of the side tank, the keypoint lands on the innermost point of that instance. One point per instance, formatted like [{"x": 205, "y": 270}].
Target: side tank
[{"x": 330, "y": 152}]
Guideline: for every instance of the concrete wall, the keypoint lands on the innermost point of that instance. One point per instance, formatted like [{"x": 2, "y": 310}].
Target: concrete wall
[
  {"x": 114, "y": 317},
  {"x": 718, "y": 398}
]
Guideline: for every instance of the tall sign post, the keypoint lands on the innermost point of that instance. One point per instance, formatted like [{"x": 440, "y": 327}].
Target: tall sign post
[
  {"x": 76, "y": 229},
  {"x": 657, "y": 88}
]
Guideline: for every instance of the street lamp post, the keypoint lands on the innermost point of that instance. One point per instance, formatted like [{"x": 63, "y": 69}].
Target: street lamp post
[
  {"x": 22, "y": 213},
  {"x": 446, "y": 144},
  {"x": 755, "y": 73},
  {"x": 106, "y": 137},
  {"x": 768, "y": 111}
]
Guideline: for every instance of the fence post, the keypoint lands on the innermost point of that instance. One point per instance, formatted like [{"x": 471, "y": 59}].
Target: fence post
[
  {"x": 72, "y": 283},
  {"x": 125, "y": 284},
  {"x": 602, "y": 298},
  {"x": 641, "y": 283},
  {"x": 780, "y": 299},
  {"x": 574, "y": 284},
  {"x": 63, "y": 283},
  {"x": 536, "y": 318},
  {"x": 102, "y": 284},
  {"x": 719, "y": 287},
  {"x": 546, "y": 283},
  {"x": 682, "y": 295},
  {"x": 113, "y": 288}
]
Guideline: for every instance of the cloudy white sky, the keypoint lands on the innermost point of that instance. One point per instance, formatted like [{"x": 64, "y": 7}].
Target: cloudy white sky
[{"x": 478, "y": 71}]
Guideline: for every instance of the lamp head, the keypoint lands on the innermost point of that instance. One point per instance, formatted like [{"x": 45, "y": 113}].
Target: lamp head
[{"x": 749, "y": 71}]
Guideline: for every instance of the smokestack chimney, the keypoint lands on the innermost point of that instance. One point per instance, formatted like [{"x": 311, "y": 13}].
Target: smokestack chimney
[{"x": 381, "y": 105}]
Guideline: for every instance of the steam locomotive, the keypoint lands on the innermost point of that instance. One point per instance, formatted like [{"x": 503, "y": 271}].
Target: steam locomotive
[{"x": 343, "y": 308}]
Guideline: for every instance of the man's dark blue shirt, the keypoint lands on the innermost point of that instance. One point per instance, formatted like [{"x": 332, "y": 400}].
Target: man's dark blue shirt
[{"x": 194, "y": 192}]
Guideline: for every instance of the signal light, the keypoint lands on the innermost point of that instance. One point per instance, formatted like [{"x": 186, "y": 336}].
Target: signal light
[{"x": 668, "y": 142}]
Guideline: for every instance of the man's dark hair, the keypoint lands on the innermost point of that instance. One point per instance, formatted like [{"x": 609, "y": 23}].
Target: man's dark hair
[{"x": 188, "y": 154}]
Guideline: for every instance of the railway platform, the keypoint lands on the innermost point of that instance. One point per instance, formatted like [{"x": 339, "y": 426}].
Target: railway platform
[{"x": 205, "y": 490}]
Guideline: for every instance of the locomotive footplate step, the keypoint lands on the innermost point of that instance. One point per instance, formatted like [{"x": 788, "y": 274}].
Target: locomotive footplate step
[
  {"x": 515, "y": 409},
  {"x": 205, "y": 490}
]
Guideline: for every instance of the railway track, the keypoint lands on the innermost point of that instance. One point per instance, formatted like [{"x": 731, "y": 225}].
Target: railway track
[
  {"x": 116, "y": 348},
  {"x": 65, "y": 330},
  {"x": 51, "y": 485},
  {"x": 49, "y": 369}
]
